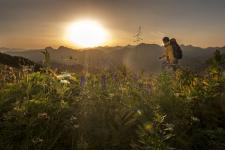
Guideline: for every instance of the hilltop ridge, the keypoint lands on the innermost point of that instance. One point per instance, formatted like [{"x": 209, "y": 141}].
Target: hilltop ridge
[{"x": 135, "y": 57}]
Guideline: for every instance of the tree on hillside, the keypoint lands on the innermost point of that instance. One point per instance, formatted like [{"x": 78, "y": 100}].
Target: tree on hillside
[{"x": 46, "y": 61}]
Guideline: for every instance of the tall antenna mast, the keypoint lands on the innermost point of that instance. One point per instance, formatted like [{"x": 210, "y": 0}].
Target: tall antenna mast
[{"x": 138, "y": 36}]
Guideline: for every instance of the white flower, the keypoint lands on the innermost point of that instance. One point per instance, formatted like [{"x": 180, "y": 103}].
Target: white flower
[
  {"x": 64, "y": 75},
  {"x": 37, "y": 140},
  {"x": 76, "y": 126},
  {"x": 139, "y": 112},
  {"x": 64, "y": 81}
]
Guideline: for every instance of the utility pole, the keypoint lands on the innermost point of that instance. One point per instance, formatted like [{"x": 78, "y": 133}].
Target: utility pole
[{"x": 138, "y": 36}]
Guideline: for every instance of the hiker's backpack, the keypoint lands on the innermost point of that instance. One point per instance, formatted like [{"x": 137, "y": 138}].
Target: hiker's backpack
[{"x": 177, "y": 51}]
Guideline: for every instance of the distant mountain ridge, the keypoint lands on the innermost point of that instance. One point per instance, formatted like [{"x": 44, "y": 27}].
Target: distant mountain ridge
[{"x": 135, "y": 57}]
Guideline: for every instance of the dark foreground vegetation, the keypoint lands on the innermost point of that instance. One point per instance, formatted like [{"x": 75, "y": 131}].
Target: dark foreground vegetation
[
  {"x": 113, "y": 110},
  {"x": 18, "y": 62}
]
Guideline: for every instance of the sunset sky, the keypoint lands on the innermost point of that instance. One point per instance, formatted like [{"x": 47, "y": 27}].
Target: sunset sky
[{"x": 41, "y": 23}]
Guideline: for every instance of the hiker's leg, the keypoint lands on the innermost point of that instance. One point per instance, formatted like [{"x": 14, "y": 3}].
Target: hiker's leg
[
  {"x": 175, "y": 65},
  {"x": 164, "y": 65}
]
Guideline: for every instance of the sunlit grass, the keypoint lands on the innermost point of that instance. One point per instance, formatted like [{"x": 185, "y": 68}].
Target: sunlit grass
[{"x": 112, "y": 110}]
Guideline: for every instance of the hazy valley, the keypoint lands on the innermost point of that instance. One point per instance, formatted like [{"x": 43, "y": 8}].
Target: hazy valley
[{"x": 143, "y": 57}]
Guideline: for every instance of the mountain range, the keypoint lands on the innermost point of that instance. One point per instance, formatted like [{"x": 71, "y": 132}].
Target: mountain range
[{"x": 142, "y": 57}]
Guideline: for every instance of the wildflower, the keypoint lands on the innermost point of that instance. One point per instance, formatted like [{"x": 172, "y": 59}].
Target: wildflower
[
  {"x": 64, "y": 81},
  {"x": 43, "y": 116},
  {"x": 82, "y": 81},
  {"x": 136, "y": 77},
  {"x": 17, "y": 108},
  {"x": 76, "y": 126},
  {"x": 177, "y": 94},
  {"x": 148, "y": 88},
  {"x": 103, "y": 81},
  {"x": 148, "y": 126},
  {"x": 114, "y": 76},
  {"x": 64, "y": 76},
  {"x": 169, "y": 127},
  {"x": 111, "y": 95},
  {"x": 73, "y": 118},
  {"x": 139, "y": 112},
  {"x": 194, "y": 118},
  {"x": 37, "y": 140}
]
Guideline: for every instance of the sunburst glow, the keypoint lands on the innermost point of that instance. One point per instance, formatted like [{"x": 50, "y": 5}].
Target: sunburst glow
[{"x": 87, "y": 33}]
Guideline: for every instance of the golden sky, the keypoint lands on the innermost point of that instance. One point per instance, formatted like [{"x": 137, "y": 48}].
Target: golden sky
[{"x": 41, "y": 23}]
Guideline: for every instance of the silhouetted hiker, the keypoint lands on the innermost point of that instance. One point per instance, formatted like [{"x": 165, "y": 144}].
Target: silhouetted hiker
[{"x": 172, "y": 53}]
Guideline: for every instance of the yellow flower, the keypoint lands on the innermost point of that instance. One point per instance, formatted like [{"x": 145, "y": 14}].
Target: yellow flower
[{"x": 148, "y": 126}]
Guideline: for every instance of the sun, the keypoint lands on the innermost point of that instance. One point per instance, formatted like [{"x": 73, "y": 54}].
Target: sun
[{"x": 87, "y": 33}]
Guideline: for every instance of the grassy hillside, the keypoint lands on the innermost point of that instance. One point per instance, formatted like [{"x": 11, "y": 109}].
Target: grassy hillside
[
  {"x": 113, "y": 110},
  {"x": 135, "y": 58}
]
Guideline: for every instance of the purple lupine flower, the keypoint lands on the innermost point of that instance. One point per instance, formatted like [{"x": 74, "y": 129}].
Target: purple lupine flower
[
  {"x": 103, "y": 81},
  {"x": 82, "y": 81},
  {"x": 135, "y": 77},
  {"x": 115, "y": 76},
  {"x": 149, "y": 88}
]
